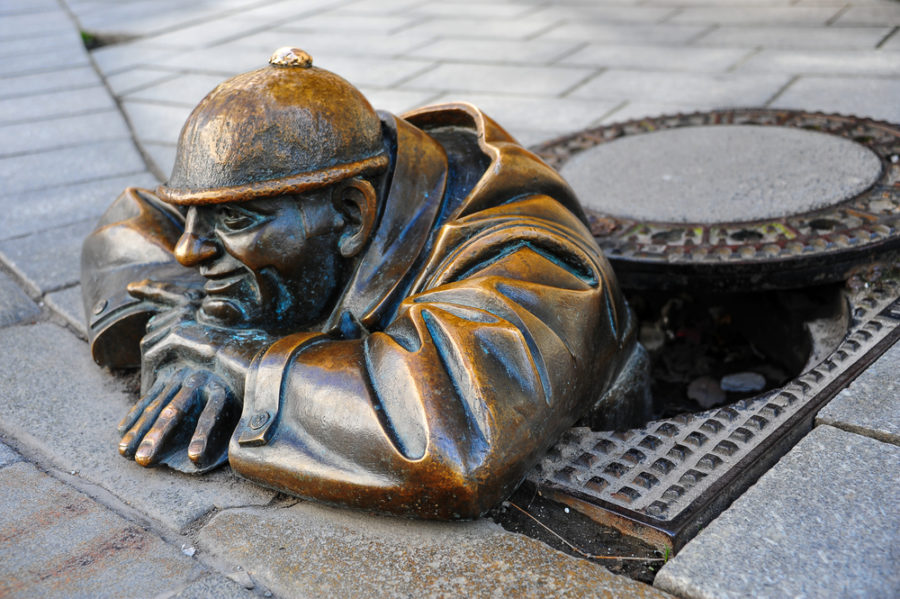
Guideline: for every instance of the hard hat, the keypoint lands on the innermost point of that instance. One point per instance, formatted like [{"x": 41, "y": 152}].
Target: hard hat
[{"x": 286, "y": 128}]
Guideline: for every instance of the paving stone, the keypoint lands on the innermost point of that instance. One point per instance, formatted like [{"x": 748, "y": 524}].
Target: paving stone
[
  {"x": 396, "y": 100},
  {"x": 205, "y": 34},
  {"x": 156, "y": 123},
  {"x": 821, "y": 523},
  {"x": 67, "y": 303},
  {"x": 33, "y": 211},
  {"x": 322, "y": 46},
  {"x": 825, "y": 62},
  {"x": 523, "y": 28},
  {"x": 374, "y": 71},
  {"x": 860, "y": 96},
  {"x": 162, "y": 155},
  {"x": 63, "y": 407},
  {"x": 752, "y": 15},
  {"x": 870, "y": 15},
  {"x": 315, "y": 551},
  {"x": 871, "y": 404},
  {"x": 25, "y": 25},
  {"x": 601, "y": 33},
  {"x": 606, "y": 13},
  {"x": 657, "y": 57},
  {"x": 8, "y": 456},
  {"x": 639, "y": 110},
  {"x": 212, "y": 586},
  {"x": 697, "y": 89},
  {"x": 13, "y": 7},
  {"x": 42, "y": 82},
  {"x": 186, "y": 90},
  {"x": 527, "y": 52},
  {"x": 541, "y": 81},
  {"x": 138, "y": 77},
  {"x": 721, "y": 173},
  {"x": 223, "y": 60},
  {"x": 54, "y": 104},
  {"x": 21, "y": 59},
  {"x": 119, "y": 57},
  {"x": 347, "y": 24},
  {"x": 543, "y": 118},
  {"x": 49, "y": 134},
  {"x": 15, "y": 305},
  {"x": 470, "y": 9},
  {"x": 48, "y": 260},
  {"x": 57, "y": 542},
  {"x": 813, "y": 38},
  {"x": 69, "y": 165}
]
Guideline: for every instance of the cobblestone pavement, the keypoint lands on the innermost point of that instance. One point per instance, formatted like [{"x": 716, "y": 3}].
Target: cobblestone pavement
[{"x": 77, "y": 127}]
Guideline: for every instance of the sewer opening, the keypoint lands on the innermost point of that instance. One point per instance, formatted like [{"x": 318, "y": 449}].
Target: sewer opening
[{"x": 712, "y": 349}]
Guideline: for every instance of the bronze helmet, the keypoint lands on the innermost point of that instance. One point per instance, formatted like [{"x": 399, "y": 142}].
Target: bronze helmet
[{"x": 285, "y": 128}]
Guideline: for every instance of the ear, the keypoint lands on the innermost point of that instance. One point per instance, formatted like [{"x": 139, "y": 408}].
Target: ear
[{"x": 357, "y": 202}]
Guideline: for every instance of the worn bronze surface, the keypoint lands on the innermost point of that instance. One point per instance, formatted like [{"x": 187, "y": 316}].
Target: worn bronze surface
[{"x": 390, "y": 313}]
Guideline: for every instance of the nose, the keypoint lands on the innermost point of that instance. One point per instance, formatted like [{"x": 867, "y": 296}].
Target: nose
[{"x": 194, "y": 246}]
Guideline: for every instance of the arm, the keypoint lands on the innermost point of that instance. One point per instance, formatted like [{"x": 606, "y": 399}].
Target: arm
[{"x": 442, "y": 413}]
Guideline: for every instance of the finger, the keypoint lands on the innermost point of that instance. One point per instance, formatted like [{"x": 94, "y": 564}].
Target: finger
[
  {"x": 129, "y": 442},
  {"x": 155, "y": 441},
  {"x": 212, "y": 432},
  {"x": 134, "y": 413},
  {"x": 161, "y": 292}
]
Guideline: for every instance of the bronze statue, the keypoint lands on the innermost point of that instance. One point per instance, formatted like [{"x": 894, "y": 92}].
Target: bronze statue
[{"x": 390, "y": 313}]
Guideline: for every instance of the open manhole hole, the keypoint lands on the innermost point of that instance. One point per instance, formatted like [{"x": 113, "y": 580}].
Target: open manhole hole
[{"x": 753, "y": 321}]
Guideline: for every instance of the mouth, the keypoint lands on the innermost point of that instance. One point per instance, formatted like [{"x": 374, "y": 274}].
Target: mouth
[{"x": 224, "y": 283}]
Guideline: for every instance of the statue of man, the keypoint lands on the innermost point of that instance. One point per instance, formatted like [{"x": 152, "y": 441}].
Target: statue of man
[{"x": 391, "y": 313}]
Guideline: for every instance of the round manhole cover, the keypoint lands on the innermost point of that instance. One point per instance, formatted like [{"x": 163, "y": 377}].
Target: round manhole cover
[{"x": 736, "y": 199}]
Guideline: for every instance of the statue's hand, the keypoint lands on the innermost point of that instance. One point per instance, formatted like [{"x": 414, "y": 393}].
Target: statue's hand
[{"x": 190, "y": 409}]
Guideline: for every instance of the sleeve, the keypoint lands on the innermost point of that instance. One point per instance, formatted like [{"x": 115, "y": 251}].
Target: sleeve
[{"x": 441, "y": 414}]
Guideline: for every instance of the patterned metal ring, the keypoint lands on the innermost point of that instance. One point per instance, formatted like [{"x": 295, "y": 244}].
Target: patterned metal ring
[{"x": 802, "y": 249}]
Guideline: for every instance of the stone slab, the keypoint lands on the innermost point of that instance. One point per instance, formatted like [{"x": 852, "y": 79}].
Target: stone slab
[
  {"x": 8, "y": 456},
  {"x": 720, "y": 173},
  {"x": 540, "y": 81},
  {"x": 212, "y": 586},
  {"x": 33, "y": 211},
  {"x": 813, "y": 38},
  {"x": 42, "y": 82},
  {"x": 15, "y": 305},
  {"x": 315, "y": 551},
  {"x": 48, "y": 260},
  {"x": 67, "y": 131},
  {"x": 673, "y": 58},
  {"x": 54, "y": 104},
  {"x": 55, "y": 402},
  {"x": 58, "y": 543},
  {"x": 859, "y": 96},
  {"x": 67, "y": 304},
  {"x": 870, "y": 406},
  {"x": 822, "y": 523},
  {"x": 70, "y": 165}
]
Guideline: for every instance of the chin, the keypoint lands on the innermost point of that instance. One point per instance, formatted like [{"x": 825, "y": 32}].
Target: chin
[{"x": 225, "y": 312}]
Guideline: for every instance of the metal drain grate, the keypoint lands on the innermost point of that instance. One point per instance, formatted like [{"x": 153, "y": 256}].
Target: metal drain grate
[{"x": 664, "y": 481}]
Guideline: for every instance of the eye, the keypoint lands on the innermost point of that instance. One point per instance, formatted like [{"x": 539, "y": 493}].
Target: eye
[{"x": 233, "y": 218}]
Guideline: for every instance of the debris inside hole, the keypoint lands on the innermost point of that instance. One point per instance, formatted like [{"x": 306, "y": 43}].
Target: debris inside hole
[
  {"x": 92, "y": 40},
  {"x": 711, "y": 349}
]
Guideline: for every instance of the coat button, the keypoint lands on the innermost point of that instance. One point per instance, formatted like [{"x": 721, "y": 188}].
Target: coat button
[{"x": 259, "y": 419}]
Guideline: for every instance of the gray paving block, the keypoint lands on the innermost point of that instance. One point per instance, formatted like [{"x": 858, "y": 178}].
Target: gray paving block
[
  {"x": 54, "y": 104},
  {"x": 30, "y": 24},
  {"x": 881, "y": 14},
  {"x": 822, "y": 522},
  {"x": 119, "y": 57},
  {"x": 753, "y": 15},
  {"x": 831, "y": 38},
  {"x": 48, "y": 260},
  {"x": 185, "y": 89},
  {"x": 347, "y": 23},
  {"x": 699, "y": 89},
  {"x": 14, "y": 7},
  {"x": 8, "y": 456},
  {"x": 625, "y": 34},
  {"x": 162, "y": 155},
  {"x": 721, "y": 173},
  {"x": 33, "y": 211},
  {"x": 612, "y": 12},
  {"x": 15, "y": 305},
  {"x": 825, "y": 62},
  {"x": 67, "y": 304},
  {"x": 860, "y": 96},
  {"x": 540, "y": 81},
  {"x": 397, "y": 100},
  {"x": 207, "y": 33},
  {"x": 524, "y": 52},
  {"x": 314, "y": 551},
  {"x": 69, "y": 165},
  {"x": 675, "y": 58},
  {"x": 479, "y": 10},
  {"x": 225, "y": 61},
  {"x": 138, "y": 77},
  {"x": 59, "y": 404},
  {"x": 58, "y": 543},
  {"x": 156, "y": 123},
  {"x": 36, "y": 136},
  {"x": 383, "y": 72},
  {"x": 19, "y": 57},
  {"x": 68, "y": 77},
  {"x": 522, "y": 28},
  {"x": 870, "y": 405},
  {"x": 212, "y": 586},
  {"x": 323, "y": 45}
]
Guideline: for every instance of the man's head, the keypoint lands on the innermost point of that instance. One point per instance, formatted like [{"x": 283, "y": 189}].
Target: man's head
[{"x": 274, "y": 168}]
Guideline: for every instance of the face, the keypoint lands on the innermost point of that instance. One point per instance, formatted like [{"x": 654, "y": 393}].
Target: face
[{"x": 271, "y": 264}]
